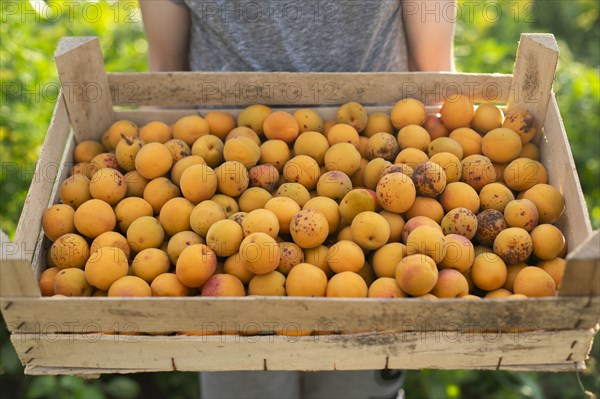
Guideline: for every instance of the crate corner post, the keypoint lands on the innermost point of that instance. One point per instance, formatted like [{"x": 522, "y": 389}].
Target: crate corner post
[{"x": 85, "y": 86}]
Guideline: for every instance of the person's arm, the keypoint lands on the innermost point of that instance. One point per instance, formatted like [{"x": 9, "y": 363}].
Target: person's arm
[
  {"x": 430, "y": 34},
  {"x": 167, "y": 27}
]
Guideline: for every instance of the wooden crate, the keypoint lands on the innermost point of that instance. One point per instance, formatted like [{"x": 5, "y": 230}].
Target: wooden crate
[{"x": 54, "y": 336}]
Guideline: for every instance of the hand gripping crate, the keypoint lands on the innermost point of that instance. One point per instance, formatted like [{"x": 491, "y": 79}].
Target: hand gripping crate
[{"x": 55, "y": 335}]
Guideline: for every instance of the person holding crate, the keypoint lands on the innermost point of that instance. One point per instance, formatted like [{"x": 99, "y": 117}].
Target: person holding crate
[{"x": 301, "y": 36}]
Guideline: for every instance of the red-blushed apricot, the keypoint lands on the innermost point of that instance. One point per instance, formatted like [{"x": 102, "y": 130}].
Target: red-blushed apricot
[
  {"x": 416, "y": 274},
  {"x": 130, "y": 286},
  {"x": 396, "y": 192},
  {"x": 104, "y": 160},
  {"x": 106, "y": 266},
  {"x": 385, "y": 287},
  {"x": 264, "y": 176},
  {"x": 46, "y": 282},
  {"x": 415, "y": 222},
  {"x": 153, "y": 160},
  {"x": 488, "y": 272},
  {"x": 450, "y": 284},
  {"x": 513, "y": 245},
  {"x": 58, "y": 220},
  {"x": 86, "y": 150},
  {"x": 460, "y": 253},
  {"x": 223, "y": 285},
  {"x": 427, "y": 241},
  {"x": 270, "y": 284},
  {"x": 459, "y": 195},
  {"x": 489, "y": 224},
  {"x": 408, "y": 111},
  {"x": 306, "y": 280},
  {"x": 501, "y": 145},
  {"x": 145, "y": 232},
  {"x": 195, "y": 265},
  {"x": 522, "y": 123},
  {"x": 460, "y": 221},
  {"x": 150, "y": 263},
  {"x": 281, "y": 125},
  {"x": 71, "y": 282},
  {"x": 555, "y": 268},
  {"x": 435, "y": 127},
  {"x": 451, "y": 165},
  {"x": 167, "y": 284},
  {"x": 386, "y": 258},
  {"x": 346, "y": 285},
  {"x": 94, "y": 217},
  {"x": 75, "y": 190},
  {"x": 260, "y": 253},
  {"x": 345, "y": 256},
  {"x": 354, "y": 114},
  {"x": 457, "y": 111},
  {"x": 119, "y": 129},
  {"x": 548, "y": 241},
  {"x": 487, "y": 117},
  {"x": 549, "y": 202},
  {"x": 309, "y": 228},
  {"x": 534, "y": 282},
  {"x": 495, "y": 196}
]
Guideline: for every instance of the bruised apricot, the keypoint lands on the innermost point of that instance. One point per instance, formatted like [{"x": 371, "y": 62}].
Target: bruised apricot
[
  {"x": 429, "y": 179},
  {"x": 75, "y": 190},
  {"x": 69, "y": 250},
  {"x": 107, "y": 265},
  {"x": 489, "y": 224},
  {"x": 178, "y": 149},
  {"x": 232, "y": 178},
  {"x": 108, "y": 185},
  {"x": 71, "y": 282},
  {"x": 460, "y": 221},
  {"x": 521, "y": 213},
  {"x": 153, "y": 160},
  {"x": 195, "y": 265},
  {"x": 495, "y": 196},
  {"x": 264, "y": 176},
  {"x": 521, "y": 122},
  {"x": 309, "y": 228},
  {"x": 58, "y": 220},
  {"x": 396, "y": 192},
  {"x": 477, "y": 171},
  {"x": 94, "y": 217},
  {"x": 104, "y": 160},
  {"x": 513, "y": 245},
  {"x": 408, "y": 111},
  {"x": 291, "y": 255}
]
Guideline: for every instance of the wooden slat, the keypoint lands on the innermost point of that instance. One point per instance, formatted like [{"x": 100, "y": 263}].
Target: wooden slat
[
  {"x": 284, "y": 88},
  {"x": 16, "y": 276},
  {"x": 346, "y": 314},
  {"x": 582, "y": 276},
  {"x": 85, "y": 86},
  {"x": 99, "y": 353},
  {"x": 535, "y": 65}
]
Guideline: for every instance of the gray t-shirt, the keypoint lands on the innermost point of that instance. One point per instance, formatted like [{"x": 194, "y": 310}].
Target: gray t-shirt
[{"x": 297, "y": 36}]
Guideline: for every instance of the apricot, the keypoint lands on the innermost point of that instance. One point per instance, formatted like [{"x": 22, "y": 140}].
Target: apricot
[
  {"x": 395, "y": 168},
  {"x": 460, "y": 253},
  {"x": 347, "y": 285},
  {"x": 167, "y": 284},
  {"x": 234, "y": 265},
  {"x": 107, "y": 265},
  {"x": 427, "y": 241},
  {"x": 429, "y": 179},
  {"x": 343, "y": 157},
  {"x": 309, "y": 228},
  {"x": 136, "y": 184},
  {"x": 69, "y": 250},
  {"x": 534, "y": 282},
  {"x": 189, "y": 128},
  {"x": 511, "y": 273},
  {"x": 119, "y": 129},
  {"x": 396, "y": 192},
  {"x": 175, "y": 215},
  {"x": 345, "y": 255},
  {"x": 86, "y": 150},
  {"x": 280, "y": 125},
  {"x": 413, "y": 136},
  {"x": 495, "y": 196},
  {"x": 260, "y": 253},
  {"x": 489, "y": 224},
  {"x": 149, "y": 263},
  {"x": 232, "y": 178},
  {"x": 291, "y": 255},
  {"x": 435, "y": 127},
  {"x": 450, "y": 284},
  {"x": 358, "y": 178},
  {"x": 487, "y": 117},
  {"x": 353, "y": 114},
  {"x": 178, "y": 149},
  {"x": 470, "y": 297},
  {"x": 385, "y": 287},
  {"x": 343, "y": 133},
  {"x": 373, "y": 171},
  {"x": 153, "y": 160},
  {"x": 179, "y": 242},
  {"x": 46, "y": 282},
  {"x": 264, "y": 176},
  {"x": 104, "y": 160},
  {"x": 308, "y": 120},
  {"x": 198, "y": 183},
  {"x": 328, "y": 207},
  {"x": 501, "y": 145},
  {"x": 457, "y": 111},
  {"x": 521, "y": 213},
  {"x": 126, "y": 151},
  {"x": 317, "y": 256},
  {"x": 108, "y": 185},
  {"x": 396, "y": 224},
  {"x": 223, "y": 285},
  {"x": 548, "y": 201},
  {"x": 275, "y": 152},
  {"x": 145, "y": 232},
  {"x": 345, "y": 234},
  {"x": 460, "y": 221},
  {"x": 445, "y": 144},
  {"x": 210, "y": 149},
  {"x": 71, "y": 282},
  {"x": 334, "y": 185},
  {"x": 459, "y": 194},
  {"x": 370, "y": 230},
  {"x": 94, "y": 217},
  {"x": 195, "y": 265},
  {"x": 243, "y": 150},
  {"x": 523, "y": 173},
  {"x": 253, "y": 117},
  {"x": 75, "y": 190},
  {"x": 488, "y": 272},
  {"x": 555, "y": 268},
  {"x": 425, "y": 206},
  {"x": 156, "y": 132},
  {"x": 238, "y": 217},
  {"x": 270, "y": 284},
  {"x": 220, "y": 123},
  {"x": 243, "y": 132},
  {"x": 382, "y": 145},
  {"x": 408, "y": 111},
  {"x": 284, "y": 209},
  {"x": 261, "y": 220},
  {"x": 415, "y": 222},
  {"x": 530, "y": 151},
  {"x": 499, "y": 293},
  {"x": 83, "y": 168},
  {"x": 378, "y": 122},
  {"x": 522, "y": 123},
  {"x": 110, "y": 239},
  {"x": 158, "y": 191},
  {"x": 129, "y": 209},
  {"x": 306, "y": 280},
  {"x": 513, "y": 245},
  {"x": 416, "y": 274},
  {"x": 355, "y": 202},
  {"x": 295, "y": 191},
  {"x": 468, "y": 139},
  {"x": 478, "y": 171},
  {"x": 58, "y": 220},
  {"x": 313, "y": 144},
  {"x": 451, "y": 165},
  {"x": 204, "y": 215},
  {"x": 548, "y": 241},
  {"x": 302, "y": 169},
  {"x": 413, "y": 157},
  {"x": 386, "y": 258},
  {"x": 129, "y": 286}
]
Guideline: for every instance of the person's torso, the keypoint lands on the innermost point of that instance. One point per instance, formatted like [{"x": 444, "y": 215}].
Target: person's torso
[{"x": 307, "y": 35}]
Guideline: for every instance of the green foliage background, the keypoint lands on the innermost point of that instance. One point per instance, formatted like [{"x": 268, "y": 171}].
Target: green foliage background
[{"x": 485, "y": 42}]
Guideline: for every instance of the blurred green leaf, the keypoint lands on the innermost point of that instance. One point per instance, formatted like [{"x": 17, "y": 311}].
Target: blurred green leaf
[{"x": 122, "y": 388}]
